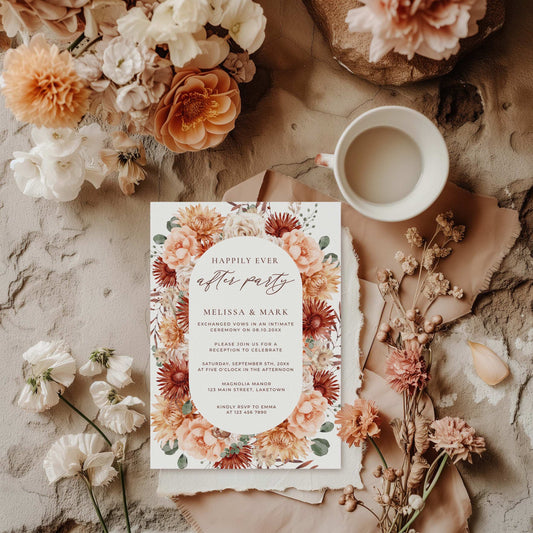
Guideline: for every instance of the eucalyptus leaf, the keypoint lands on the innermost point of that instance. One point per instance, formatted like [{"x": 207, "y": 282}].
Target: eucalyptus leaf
[
  {"x": 159, "y": 239},
  {"x": 320, "y": 447},
  {"x": 170, "y": 448},
  {"x": 323, "y": 242},
  {"x": 326, "y": 427},
  {"x": 182, "y": 462},
  {"x": 334, "y": 257},
  {"x": 187, "y": 408}
]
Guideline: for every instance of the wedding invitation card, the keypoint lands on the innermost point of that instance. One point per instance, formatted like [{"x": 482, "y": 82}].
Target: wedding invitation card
[{"x": 245, "y": 335}]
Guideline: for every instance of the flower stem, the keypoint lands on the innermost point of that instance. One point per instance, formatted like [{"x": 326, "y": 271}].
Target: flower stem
[
  {"x": 427, "y": 492},
  {"x": 379, "y": 451},
  {"x": 88, "y": 420},
  {"x": 73, "y": 45},
  {"x": 124, "y": 500},
  {"x": 95, "y": 504}
]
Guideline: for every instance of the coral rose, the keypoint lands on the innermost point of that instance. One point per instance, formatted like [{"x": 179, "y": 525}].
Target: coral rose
[
  {"x": 308, "y": 415},
  {"x": 304, "y": 251},
  {"x": 195, "y": 436},
  {"x": 180, "y": 247},
  {"x": 198, "y": 111}
]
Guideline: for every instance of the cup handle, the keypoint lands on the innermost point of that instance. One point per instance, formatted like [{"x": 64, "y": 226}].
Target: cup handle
[{"x": 325, "y": 160}]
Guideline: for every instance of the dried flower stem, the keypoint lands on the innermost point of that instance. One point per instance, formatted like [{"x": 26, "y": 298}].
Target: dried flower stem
[
  {"x": 120, "y": 468},
  {"x": 379, "y": 451}
]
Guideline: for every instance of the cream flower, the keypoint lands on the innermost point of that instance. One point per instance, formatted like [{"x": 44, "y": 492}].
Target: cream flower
[
  {"x": 122, "y": 60},
  {"x": 52, "y": 370},
  {"x": 118, "y": 367},
  {"x": 81, "y": 454},
  {"x": 213, "y": 50},
  {"x": 244, "y": 225},
  {"x": 132, "y": 97},
  {"x": 245, "y": 22},
  {"x": 114, "y": 408},
  {"x": 101, "y": 17},
  {"x": 189, "y": 15}
]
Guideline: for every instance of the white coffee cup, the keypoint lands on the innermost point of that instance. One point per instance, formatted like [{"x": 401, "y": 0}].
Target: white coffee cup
[{"x": 425, "y": 138}]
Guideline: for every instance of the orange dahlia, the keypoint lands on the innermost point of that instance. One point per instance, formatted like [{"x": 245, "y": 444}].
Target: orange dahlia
[
  {"x": 280, "y": 443},
  {"x": 173, "y": 380},
  {"x": 163, "y": 274},
  {"x": 324, "y": 283},
  {"x": 203, "y": 219},
  {"x": 170, "y": 333},
  {"x": 279, "y": 223},
  {"x": 235, "y": 459},
  {"x": 198, "y": 111},
  {"x": 358, "y": 421},
  {"x": 325, "y": 382},
  {"x": 42, "y": 87},
  {"x": 167, "y": 416},
  {"x": 318, "y": 319}
]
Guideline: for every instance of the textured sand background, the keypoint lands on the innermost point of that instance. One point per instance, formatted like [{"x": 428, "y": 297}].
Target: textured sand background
[{"x": 79, "y": 271}]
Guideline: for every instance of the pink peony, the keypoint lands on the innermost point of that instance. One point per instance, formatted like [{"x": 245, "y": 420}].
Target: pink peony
[
  {"x": 308, "y": 415},
  {"x": 180, "y": 247},
  {"x": 455, "y": 437},
  {"x": 195, "y": 437},
  {"x": 430, "y": 28},
  {"x": 304, "y": 250}
]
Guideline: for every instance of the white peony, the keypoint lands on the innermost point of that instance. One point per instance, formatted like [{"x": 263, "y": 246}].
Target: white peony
[
  {"x": 189, "y": 15},
  {"x": 122, "y": 60},
  {"x": 118, "y": 367},
  {"x": 81, "y": 454},
  {"x": 245, "y": 23},
  {"x": 217, "y": 11},
  {"x": 52, "y": 370},
  {"x": 114, "y": 409},
  {"x": 244, "y": 225}
]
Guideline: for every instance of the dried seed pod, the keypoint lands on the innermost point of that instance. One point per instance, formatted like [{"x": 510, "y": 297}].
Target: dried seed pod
[
  {"x": 348, "y": 490},
  {"x": 385, "y": 498},
  {"x": 342, "y": 499},
  {"x": 381, "y": 336},
  {"x": 351, "y": 506},
  {"x": 410, "y": 315},
  {"x": 436, "y": 320},
  {"x": 421, "y": 433},
  {"x": 399, "y": 472},
  {"x": 378, "y": 472},
  {"x": 389, "y": 474},
  {"x": 429, "y": 327},
  {"x": 423, "y": 338}
]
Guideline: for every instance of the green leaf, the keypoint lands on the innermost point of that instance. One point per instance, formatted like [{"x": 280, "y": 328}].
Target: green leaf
[
  {"x": 323, "y": 242},
  {"x": 334, "y": 257},
  {"x": 159, "y": 239},
  {"x": 170, "y": 449},
  {"x": 187, "y": 408},
  {"x": 173, "y": 223},
  {"x": 182, "y": 462},
  {"x": 320, "y": 447},
  {"x": 327, "y": 427}
]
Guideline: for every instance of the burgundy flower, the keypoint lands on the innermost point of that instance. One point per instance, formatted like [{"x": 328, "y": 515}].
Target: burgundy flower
[{"x": 318, "y": 319}]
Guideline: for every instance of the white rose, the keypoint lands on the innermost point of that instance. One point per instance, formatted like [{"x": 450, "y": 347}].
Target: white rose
[
  {"x": 245, "y": 22},
  {"x": 63, "y": 177},
  {"x": 122, "y": 60},
  {"x": 244, "y": 225}
]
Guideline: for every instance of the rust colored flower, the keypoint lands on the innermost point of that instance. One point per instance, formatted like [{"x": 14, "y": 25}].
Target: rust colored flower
[
  {"x": 42, "y": 87},
  {"x": 324, "y": 283},
  {"x": 406, "y": 370},
  {"x": 280, "y": 443},
  {"x": 163, "y": 274},
  {"x": 173, "y": 380},
  {"x": 358, "y": 421},
  {"x": 318, "y": 319},
  {"x": 167, "y": 416},
  {"x": 236, "y": 459},
  {"x": 198, "y": 111},
  {"x": 278, "y": 224},
  {"x": 205, "y": 221},
  {"x": 182, "y": 313},
  {"x": 171, "y": 335},
  {"x": 455, "y": 437},
  {"x": 325, "y": 382}
]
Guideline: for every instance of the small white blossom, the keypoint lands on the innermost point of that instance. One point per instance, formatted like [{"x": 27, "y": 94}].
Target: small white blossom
[
  {"x": 416, "y": 502},
  {"x": 114, "y": 409},
  {"x": 245, "y": 23},
  {"x": 52, "y": 370},
  {"x": 118, "y": 367},
  {"x": 80, "y": 454},
  {"x": 122, "y": 60}
]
